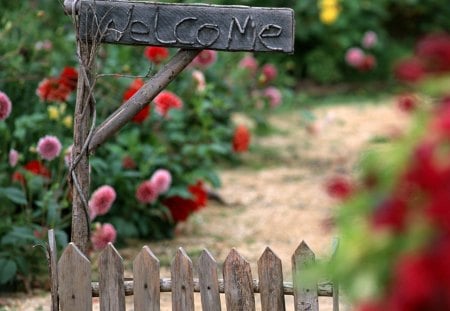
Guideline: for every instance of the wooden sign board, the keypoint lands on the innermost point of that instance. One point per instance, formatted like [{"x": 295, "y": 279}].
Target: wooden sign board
[{"x": 199, "y": 26}]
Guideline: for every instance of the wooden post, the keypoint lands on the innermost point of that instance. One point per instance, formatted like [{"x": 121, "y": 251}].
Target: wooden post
[{"x": 84, "y": 110}]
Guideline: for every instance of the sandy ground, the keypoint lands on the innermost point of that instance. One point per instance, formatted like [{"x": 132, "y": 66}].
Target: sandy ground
[{"x": 277, "y": 197}]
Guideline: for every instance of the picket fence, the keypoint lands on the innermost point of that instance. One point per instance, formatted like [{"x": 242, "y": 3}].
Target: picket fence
[{"x": 73, "y": 287}]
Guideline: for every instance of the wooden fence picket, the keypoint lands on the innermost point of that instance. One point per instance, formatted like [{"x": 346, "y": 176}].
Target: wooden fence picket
[
  {"x": 305, "y": 291},
  {"x": 182, "y": 282},
  {"x": 74, "y": 280},
  {"x": 146, "y": 281},
  {"x": 270, "y": 274},
  {"x": 209, "y": 282},
  {"x": 75, "y": 288},
  {"x": 238, "y": 283},
  {"x": 112, "y": 290}
]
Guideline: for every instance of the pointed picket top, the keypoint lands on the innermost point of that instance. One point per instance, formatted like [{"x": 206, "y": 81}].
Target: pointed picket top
[
  {"x": 209, "y": 283},
  {"x": 305, "y": 291},
  {"x": 146, "y": 281},
  {"x": 238, "y": 283},
  {"x": 74, "y": 280},
  {"x": 270, "y": 273},
  {"x": 112, "y": 290},
  {"x": 182, "y": 282}
]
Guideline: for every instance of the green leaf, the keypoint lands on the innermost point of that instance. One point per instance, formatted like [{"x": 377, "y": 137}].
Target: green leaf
[
  {"x": 14, "y": 194},
  {"x": 8, "y": 270}
]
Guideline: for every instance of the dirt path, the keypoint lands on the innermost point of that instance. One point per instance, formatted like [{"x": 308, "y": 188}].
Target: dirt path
[{"x": 277, "y": 197}]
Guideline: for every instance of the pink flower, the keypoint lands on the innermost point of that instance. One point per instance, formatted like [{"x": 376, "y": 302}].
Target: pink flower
[
  {"x": 147, "y": 192},
  {"x": 268, "y": 73},
  {"x": 409, "y": 70},
  {"x": 165, "y": 101},
  {"x": 249, "y": 63},
  {"x": 101, "y": 201},
  {"x": 49, "y": 147},
  {"x": 13, "y": 157},
  {"x": 199, "y": 79},
  {"x": 354, "y": 57},
  {"x": 369, "y": 40},
  {"x": 205, "y": 59},
  {"x": 273, "y": 95},
  {"x": 102, "y": 235},
  {"x": 161, "y": 180},
  {"x": 5, "y": 106}
]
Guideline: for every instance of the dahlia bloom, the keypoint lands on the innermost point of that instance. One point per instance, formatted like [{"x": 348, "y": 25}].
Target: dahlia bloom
[
  {"x": 369, "y": 40},
  {"x": 13, "y": 157},
  {"x": 409, "y": 70},
  {"x": 241, "y": 139},
  {"x": 367, "y": 63},
  {"x": 5, "y": 106},
  {"x": 273, "y": 95},
  {"x": 69, "y": 78},
  {"x": 249, "y": 63},
  {"x": 51, "y": 89},
  {"x": 142, "y": 115},
  {"x": 156, "y": 54},
  {"x": 161, "y": 179},
  {"x": 101, "y": 201},
  {"x": 165, "y": 101},
  {"x": 147, "y": 192},
  {"x": 205, "y": 59},
  {"x": 128, "y": 163},
  {"x": 338, "y": 187},
  {"x": 37, "y": 168},
  {"x": 407, "y": 102},
  {"x": 354, "y": 57},
  {"x": 102, "y": 235},
  {"x": 268, "y": 73},
  {"x": 435, "y": 51},
  {"x": 180, "y": 208},
  {"x": 49, "y": 147}
]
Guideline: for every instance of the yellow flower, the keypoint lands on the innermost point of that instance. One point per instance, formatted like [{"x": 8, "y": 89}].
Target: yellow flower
[
  {"x": 53, "y": 112},
  {"x": 329, "y": 15},
  {"x": 328, "y": 3},
  {"x": 67, "y": 121}
]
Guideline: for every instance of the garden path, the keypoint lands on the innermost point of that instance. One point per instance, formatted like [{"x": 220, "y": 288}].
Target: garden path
[{"x": 277, "y": 196}]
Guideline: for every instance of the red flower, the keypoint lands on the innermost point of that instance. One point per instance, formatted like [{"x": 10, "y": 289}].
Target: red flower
[
  {"x": 128, "y": 163},
  {"x": 407, "y": 103},
  {"x": 51, "y": 89},
  {"x": 367, "y": 63},
  {"x": 409, "y": 70},
  {"x": 413, "y": 285},
  {"x": 18, "y": 177},
  {"x": 199, "y": 194},
  {"x": 205, "y": 58},
  {"x": 391, "y": 214},
  {"x": 268, "y": 74},
  {"x": 37, "y": 168},
  {"x": 147, "y": 192},
  {"x": 438, "y": 209},
  {"x": 165, "y": 101},
  {"x": 69, "y": 77},
  {"x": 180, "y": 208},
  {"x": 338, "y": 187},
  {"x": 241, "y": 139},
  {"x": 156, "y": 54},
  {"x": 142, "y": 115},
  {"x": 435, "y": 51}
]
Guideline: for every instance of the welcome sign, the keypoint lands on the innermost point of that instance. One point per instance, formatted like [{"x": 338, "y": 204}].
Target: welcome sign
[{"x": 228, "y": 28}]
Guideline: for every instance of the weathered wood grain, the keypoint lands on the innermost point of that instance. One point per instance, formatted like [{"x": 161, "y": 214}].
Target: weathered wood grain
[
  {"x": 182, "y": 282},
  {"x": 53, "y": 269},
  {"x": 238, "y": 283},
  {"x": 270, "y": 273},
  {"x": 189, "y": 26},
  {"x": 74, "y": 280},
  {"x": 146, "y": 281},
  {"x": 112, "y": 291},
  {"x": 208, "y": 281},
  {"x": 305, "y": 291}
]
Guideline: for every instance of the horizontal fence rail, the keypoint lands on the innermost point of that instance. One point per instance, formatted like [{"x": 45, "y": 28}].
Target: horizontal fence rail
[{"x": 75, "y": 288}]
